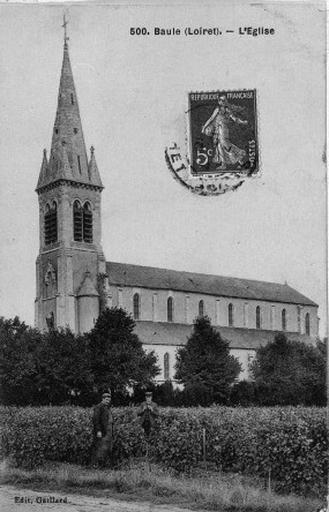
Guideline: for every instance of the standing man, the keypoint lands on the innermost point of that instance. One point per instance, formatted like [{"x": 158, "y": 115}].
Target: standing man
[
  {"x": 148, "y": 412},
  {"x": 103, "y": 431}
]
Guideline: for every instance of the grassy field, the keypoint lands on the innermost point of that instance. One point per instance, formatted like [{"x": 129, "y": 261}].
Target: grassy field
[{"x": 208, "y": 490}]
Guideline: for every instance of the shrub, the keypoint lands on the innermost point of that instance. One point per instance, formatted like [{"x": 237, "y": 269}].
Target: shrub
[
  {"x": 290, "y": 443},
  {"x": 243, "y": 394}
]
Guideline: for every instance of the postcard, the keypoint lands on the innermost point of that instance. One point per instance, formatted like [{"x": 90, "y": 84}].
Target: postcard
[{"x": 169, "y": 160}]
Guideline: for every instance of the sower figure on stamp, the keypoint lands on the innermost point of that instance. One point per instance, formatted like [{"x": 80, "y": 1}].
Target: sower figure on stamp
[
  {"x": 103, "y": 432},
  {"x": 217, "y": 127},
  {"x": 148, "y": 412}
]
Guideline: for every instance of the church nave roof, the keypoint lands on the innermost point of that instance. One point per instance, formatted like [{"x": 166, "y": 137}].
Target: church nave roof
[{"x": 125, "y": 274}]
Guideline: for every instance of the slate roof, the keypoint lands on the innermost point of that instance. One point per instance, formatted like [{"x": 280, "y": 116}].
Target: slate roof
[
  {"x": 163, "y": 333},
  {"x": 125, "y": 274},
  {"x": 68, "y": 158}
]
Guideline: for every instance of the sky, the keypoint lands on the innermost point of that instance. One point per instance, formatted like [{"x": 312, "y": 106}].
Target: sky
[{"x": 132, "y": 93}]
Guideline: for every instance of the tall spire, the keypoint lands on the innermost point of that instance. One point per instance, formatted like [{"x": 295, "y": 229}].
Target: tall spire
[
  {"x": 68, "y": 155},
  {"x": 65, "y": 22}
]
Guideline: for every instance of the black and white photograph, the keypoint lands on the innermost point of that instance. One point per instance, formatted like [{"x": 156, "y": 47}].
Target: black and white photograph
[{"x": 163, "y": 263}]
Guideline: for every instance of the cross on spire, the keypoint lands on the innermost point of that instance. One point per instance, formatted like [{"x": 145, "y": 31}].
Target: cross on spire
[{"x": 65, "y": 22}]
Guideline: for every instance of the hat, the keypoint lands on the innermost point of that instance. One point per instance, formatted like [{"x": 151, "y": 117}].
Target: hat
[
  {"x": 148, "y": 393},
  {"x": 222, "y": 100},
  {"x": 107, "y": 394}
]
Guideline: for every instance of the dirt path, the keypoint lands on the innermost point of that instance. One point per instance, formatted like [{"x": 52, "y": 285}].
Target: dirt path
[{"x": 13, "y": 499}]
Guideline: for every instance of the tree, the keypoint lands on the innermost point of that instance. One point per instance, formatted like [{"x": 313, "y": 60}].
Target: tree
[
  {"x": 243, "y": 394},
  {"x": 290, "y": 372},
  {"x": 63, "y": 369},
  {"x": 18, "y": 369},
  {"x": 205, "y": 365},
  {"x": 322, "y": 373},
  {"x": 42, "y": 368},
  {"x": 58, "y": 367},
  {"x": 117, "y": 357}
]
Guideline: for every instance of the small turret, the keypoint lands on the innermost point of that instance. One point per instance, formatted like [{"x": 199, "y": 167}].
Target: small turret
[
  {"x": 43, "y": 169},
  {"x": 93, "y": 172}
]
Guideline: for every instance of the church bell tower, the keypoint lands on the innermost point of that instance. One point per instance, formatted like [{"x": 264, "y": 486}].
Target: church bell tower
[{"x": 71, "y": 259}]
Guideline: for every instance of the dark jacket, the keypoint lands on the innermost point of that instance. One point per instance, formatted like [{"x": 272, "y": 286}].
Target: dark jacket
[
  {"x": 102, "y": 420},
  {"x": 148, "y": 415}
]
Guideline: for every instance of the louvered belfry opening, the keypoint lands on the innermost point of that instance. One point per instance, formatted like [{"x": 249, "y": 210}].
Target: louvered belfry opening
[
  {"x": 82, "y": 222},
  {"x": 51, "y": 224},
  {"x": 77, "y": 221},
  {"x": 87, "y": 223}
]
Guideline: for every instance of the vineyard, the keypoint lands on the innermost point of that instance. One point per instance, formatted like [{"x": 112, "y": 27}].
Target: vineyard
[{"x": 288, "y": 445}]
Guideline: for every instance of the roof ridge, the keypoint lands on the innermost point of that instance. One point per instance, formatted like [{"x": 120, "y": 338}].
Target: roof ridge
[
  {"x": 200, "y": 273},
  {"x": 130, "y": 274}
]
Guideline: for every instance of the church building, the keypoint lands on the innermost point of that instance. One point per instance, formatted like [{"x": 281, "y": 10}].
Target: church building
[{"x": 74, "y": 282}]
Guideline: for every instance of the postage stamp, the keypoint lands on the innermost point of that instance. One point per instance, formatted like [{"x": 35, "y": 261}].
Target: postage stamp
[{"x": 222, "y": 142}]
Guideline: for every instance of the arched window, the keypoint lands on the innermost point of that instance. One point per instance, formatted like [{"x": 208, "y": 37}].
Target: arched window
[
  {"x": 170, "y": 309},
  {"x": 298, "y": 318},
  {"x": 87, "y": 223},
  {"x": 201, "y": 308},
  {"x": 77, "y": 221},
  {"x": 230, "y": 315},
  {"x": 284, "y": 320},
  {"x": 307, "y": 324},
  {"x": 258, "y": 318},
  {"x": 50, "y": 226},
  {"x": 166, "y": 366},
  {"x": 136, "y": 306},
  {"x": 82, "y": 222}
]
